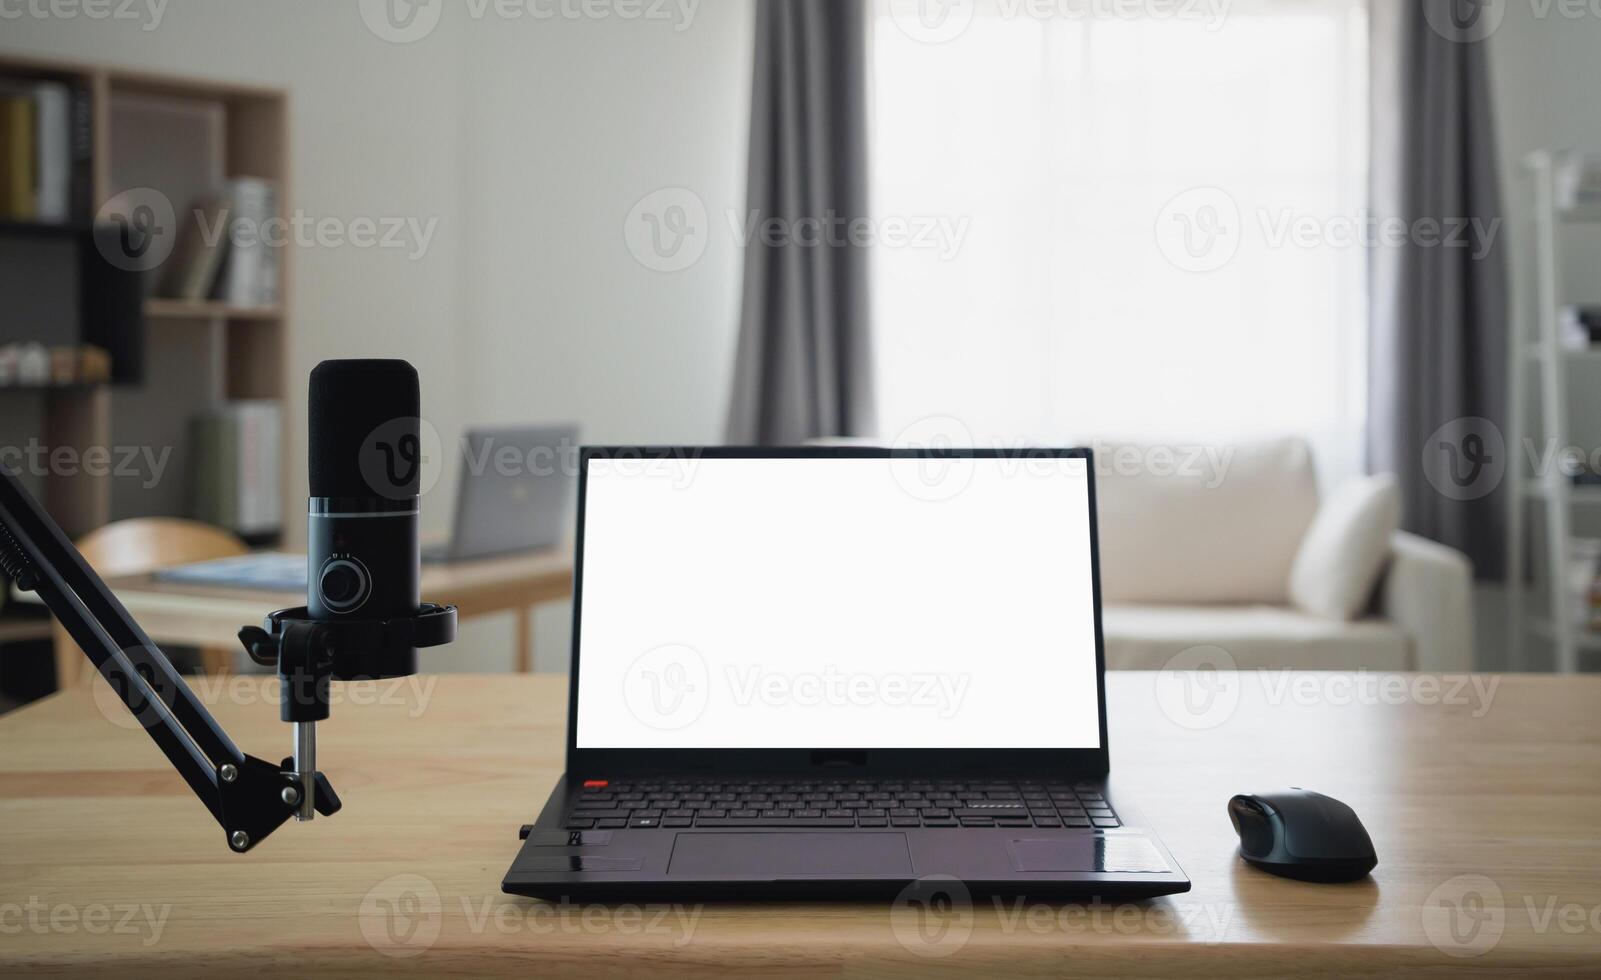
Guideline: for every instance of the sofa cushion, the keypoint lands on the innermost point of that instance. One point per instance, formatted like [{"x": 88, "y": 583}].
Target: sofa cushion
[
  {"x": 1223, "y": 525},
  {"x": 1346, "y": 547},
  {"x": 1145, "y": 637}
]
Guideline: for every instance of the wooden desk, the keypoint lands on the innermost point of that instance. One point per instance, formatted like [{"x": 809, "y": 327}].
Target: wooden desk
[
  {"x": 198, "y": 615},
  {"x": 92, "y": 825}
]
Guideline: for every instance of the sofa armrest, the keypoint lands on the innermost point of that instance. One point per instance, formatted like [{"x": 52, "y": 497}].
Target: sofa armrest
[{"x": 1428, "y": 592}]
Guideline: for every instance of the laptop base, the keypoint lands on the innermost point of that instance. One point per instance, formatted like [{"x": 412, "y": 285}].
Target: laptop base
[
  {"x": 647, "y": 865},
  {"x": 1124, "y": 863}
]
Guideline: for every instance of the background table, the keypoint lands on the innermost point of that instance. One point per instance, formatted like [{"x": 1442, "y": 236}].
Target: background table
[
  {"x": 203, "y": 615},
  {"x": 1493, "y": 792}
]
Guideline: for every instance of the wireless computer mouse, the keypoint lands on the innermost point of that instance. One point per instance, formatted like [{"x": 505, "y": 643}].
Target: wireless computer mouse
[{"x": 1301, "y": 834}]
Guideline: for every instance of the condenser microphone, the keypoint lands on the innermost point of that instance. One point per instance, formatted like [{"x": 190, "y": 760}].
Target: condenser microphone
[
  {"x": 365, "y": 464},
  {"x": 363, "y": 616}
]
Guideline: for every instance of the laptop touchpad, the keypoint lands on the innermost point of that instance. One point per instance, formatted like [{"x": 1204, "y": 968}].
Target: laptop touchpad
[{"x": 791, "y": 855}]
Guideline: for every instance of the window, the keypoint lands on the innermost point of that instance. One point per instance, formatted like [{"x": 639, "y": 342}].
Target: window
[{"x": 1139, "y": 220}]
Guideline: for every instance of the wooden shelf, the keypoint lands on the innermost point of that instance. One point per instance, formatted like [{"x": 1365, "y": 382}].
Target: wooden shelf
[
  {"x": 1593, "y": 352},
  {"x": 196, "y": 355},
  {"x": 1579, "y": 493},
  {"x": 1582, "y": 214},
  {"x": 1583, "y": 639},
  {"x": 48, "y": 386},
  {"x": 185, "y": 309},
  {"x": 42, "y": 229}
]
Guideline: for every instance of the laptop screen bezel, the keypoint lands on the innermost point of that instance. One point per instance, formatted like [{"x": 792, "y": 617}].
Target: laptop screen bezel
[{"x": 595, "y": 762}]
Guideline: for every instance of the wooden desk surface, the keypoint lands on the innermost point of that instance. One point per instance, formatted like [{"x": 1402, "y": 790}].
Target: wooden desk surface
[{"x": 1484, "y": 803}]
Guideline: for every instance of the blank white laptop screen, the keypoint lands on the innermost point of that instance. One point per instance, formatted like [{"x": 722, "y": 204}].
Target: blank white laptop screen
[{"x": 831, "y": 602}]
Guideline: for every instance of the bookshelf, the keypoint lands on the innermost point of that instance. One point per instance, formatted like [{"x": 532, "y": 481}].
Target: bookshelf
[
  {"x": 174, "y": 134},
  {"x": 182, "y": 309},
  {"x": 1541, "y": 356}
]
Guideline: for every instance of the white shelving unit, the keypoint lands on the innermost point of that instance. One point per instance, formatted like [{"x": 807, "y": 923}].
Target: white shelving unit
[{"x": 1550, "y": 358}]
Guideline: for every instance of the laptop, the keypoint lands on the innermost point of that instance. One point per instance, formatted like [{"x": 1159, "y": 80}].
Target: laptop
[
  {"x": 836, "y": 672},
  {"x": 514, "y": 492}
]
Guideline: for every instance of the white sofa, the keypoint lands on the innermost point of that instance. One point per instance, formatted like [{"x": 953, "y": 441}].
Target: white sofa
[{"x": 1200, "y": 554}]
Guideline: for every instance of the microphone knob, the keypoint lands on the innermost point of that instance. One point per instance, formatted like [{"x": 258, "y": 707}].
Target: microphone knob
[{"x": 344, "y": 584}]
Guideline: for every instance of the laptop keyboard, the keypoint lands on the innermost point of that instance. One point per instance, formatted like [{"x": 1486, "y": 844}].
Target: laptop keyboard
[{"x": 779, "y": 803}]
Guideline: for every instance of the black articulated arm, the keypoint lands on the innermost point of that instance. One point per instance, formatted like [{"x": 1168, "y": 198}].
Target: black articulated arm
[{"x": 249, "y": 797}]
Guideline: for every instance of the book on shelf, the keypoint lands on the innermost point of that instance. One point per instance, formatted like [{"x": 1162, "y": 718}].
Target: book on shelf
[
  {"x": 250, "y": 274},
  {"x": 52, "y": 177},
  {"x": 16, "y": 157},
  {"x": 46, "y": 142},
  {"x": 238, "y": 450},
  {"x": 196, "y": 259},
  {"x": 1578, "y": 180},
  {"x": 1580, "y": 327},
  {"x": 222, "y": 253},
  {"x": 83, "y": 139}
]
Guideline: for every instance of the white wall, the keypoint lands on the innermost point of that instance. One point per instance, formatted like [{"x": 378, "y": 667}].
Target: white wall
[
  {"x": 528, "y": 140},
  {"x": 563, "y": 322}
]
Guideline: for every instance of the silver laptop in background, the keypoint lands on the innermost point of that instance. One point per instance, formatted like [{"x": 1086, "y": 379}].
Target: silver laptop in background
[{"x": 515, "y": 490}]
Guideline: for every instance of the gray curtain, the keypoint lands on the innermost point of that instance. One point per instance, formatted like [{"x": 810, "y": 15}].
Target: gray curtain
[
  {"x": 1438, "y": 312},
  {"x": 803, "y": 366}
]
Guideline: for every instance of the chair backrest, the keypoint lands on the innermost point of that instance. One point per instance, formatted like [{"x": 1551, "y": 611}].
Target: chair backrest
[
  {"x": 143, "y": 544},
  {"x": 138, "y": 545}
]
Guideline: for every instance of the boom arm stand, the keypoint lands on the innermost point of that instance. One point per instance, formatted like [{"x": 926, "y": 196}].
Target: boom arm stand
[
  {"x": 309, "y": 653},
  {"x": 247, "y": 796}
]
